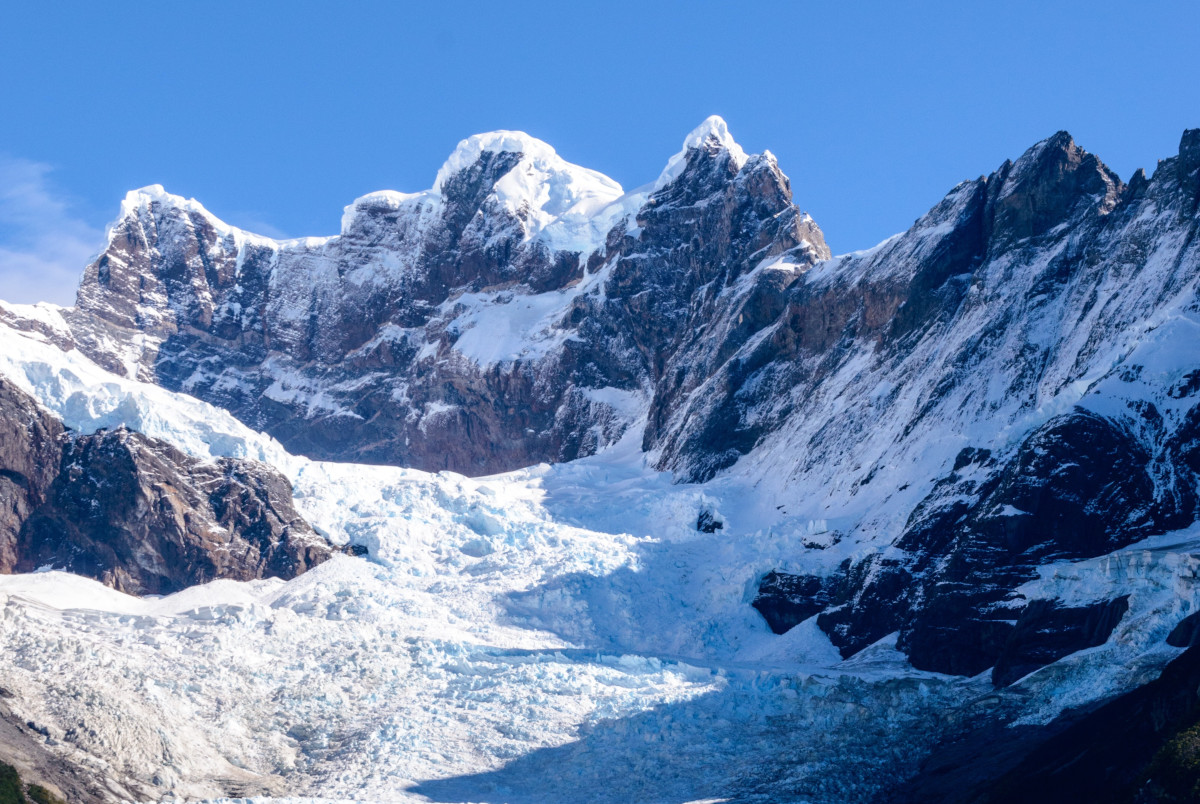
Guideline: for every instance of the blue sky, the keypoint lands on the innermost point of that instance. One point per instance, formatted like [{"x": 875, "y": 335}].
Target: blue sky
[{"x": 276, "y": 115}]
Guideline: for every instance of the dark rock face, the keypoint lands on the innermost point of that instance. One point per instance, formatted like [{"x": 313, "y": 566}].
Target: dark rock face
[
  {"x": 138, "y": 514},
  {"x": 31, "y": 443},
  {"x": 1117, "y": 753},
  {"x": 1186, "y": 633},
  {"x": 707, "y": 522},
  {"x": 1062, "y": 180},
  {"x": 786, "y": 600},
  {"x": 1078, "y": 487},
  {"x": 869, "y": 602},
  {"x": 1046, "y": 632}
]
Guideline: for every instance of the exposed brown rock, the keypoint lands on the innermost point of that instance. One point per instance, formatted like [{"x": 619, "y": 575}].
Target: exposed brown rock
[
  {"x": 136, "y": 513},
  {"x": 31, "y": 444}
]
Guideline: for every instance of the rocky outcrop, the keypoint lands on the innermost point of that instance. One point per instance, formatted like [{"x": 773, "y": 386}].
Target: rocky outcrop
[
  {"x": 1046, "y": 632},
  {"x": 1078, "y": 487},
  {"x": 136, "y": 513},
  {"x": 31, "y": 444},
  {"x": 785, "y": 600}
]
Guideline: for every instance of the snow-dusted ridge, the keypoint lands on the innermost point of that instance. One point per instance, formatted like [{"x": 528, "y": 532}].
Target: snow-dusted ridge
[{"x": 568, "y": 206}]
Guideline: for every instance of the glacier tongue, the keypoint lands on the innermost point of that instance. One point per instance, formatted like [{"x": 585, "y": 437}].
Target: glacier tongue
[
  {"x": 502, "y": 619},
  {"x": 712, "y": 133}
]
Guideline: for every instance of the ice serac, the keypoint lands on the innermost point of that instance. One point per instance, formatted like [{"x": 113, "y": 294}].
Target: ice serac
[
  {"x": 135, "y": 512},
  {"x": 522, "y": 310}
]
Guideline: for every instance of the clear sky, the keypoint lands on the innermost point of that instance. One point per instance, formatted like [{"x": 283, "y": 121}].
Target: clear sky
[{"x": 276, "y": 115}]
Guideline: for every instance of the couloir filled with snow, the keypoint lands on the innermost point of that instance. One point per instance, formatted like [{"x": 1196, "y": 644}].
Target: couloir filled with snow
[{"x": 555, "y": 632}]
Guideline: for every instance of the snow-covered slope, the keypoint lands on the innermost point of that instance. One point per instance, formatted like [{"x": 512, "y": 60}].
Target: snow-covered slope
[
  {"x": 499, "y": 619},
  {"x": 1007, "y": 383}
]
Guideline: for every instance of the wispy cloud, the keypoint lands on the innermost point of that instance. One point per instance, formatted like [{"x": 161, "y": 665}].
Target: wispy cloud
[
  {"x": 256, "y": 223},
  {"x": 44, "y": 246}
]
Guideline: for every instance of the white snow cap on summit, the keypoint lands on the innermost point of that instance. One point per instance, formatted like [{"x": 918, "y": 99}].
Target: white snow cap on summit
[
  {"x": 562, "y": 202},
  {"x": 469, "y": 150},
  {"x": 137, "y": 202},
  {"x": 142, "y": 197},
  {"x": 542, "y": 188},
  {"x": 713, "y": 130},
  {"x": 713, "y": 127}
]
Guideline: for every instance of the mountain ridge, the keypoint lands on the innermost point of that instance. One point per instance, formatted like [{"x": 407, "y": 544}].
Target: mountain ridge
[{"x": 395, "y": 291}]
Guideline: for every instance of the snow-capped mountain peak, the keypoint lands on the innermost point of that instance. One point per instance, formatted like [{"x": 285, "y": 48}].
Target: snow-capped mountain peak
[
  {"x": 552, "y": 261},
  {"x": 139, "y": 203},
  {"x": 468, "y": 151},
  {"x": 713, "y": 132},
  {"x": 713, "y": 136},
  {"x": 528, "y": 179},
  {"x": 153, "y": 203}
]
